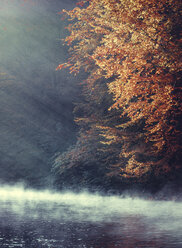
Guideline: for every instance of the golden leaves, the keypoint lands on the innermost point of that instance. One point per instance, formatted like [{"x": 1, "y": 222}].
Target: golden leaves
[{"x": 130, "y": 44}]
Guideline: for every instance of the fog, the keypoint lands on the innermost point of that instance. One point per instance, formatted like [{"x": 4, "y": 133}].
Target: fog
[
  {"x": 36, "y": 123},
  {"x": 36, "y": 118},
  {"x": 85, "y": 206},
  {"x": 32, "y": 218}
]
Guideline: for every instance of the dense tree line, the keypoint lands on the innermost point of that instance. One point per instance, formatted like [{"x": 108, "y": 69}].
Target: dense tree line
[{"x": 130, "y": 111}]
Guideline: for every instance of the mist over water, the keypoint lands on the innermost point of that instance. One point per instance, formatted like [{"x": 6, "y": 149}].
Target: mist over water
[
  {"x": 36, "y": 123},
  {"x": 87, "y": 220},
  {"x": 101, "y": 205}
]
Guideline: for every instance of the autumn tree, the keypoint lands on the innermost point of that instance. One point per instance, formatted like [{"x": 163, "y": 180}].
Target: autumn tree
[{"x": 132, "y": 47}]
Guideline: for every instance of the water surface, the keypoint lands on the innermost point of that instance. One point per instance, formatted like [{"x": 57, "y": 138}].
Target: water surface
[{"x": 37, "y": 219}]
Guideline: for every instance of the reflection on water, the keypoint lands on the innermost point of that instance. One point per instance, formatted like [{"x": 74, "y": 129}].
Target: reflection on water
[{"x": 31, "y": 219}]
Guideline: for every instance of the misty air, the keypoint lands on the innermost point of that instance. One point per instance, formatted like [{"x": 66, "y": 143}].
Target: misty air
[{"x": 90, "y": 124}]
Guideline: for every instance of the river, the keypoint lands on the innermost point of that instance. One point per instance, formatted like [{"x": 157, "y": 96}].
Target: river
[{"x": 37, "y": 219}]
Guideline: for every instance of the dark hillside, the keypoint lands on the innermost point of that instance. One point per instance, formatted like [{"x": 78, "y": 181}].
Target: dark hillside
[{"x": 35, "y": 101}]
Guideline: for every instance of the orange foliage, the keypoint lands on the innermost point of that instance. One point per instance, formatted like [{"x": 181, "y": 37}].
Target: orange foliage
[{"x": 135, "y": 46}]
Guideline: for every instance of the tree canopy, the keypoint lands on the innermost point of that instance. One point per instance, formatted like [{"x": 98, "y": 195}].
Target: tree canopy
[{"x": 131, "y": 50}]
